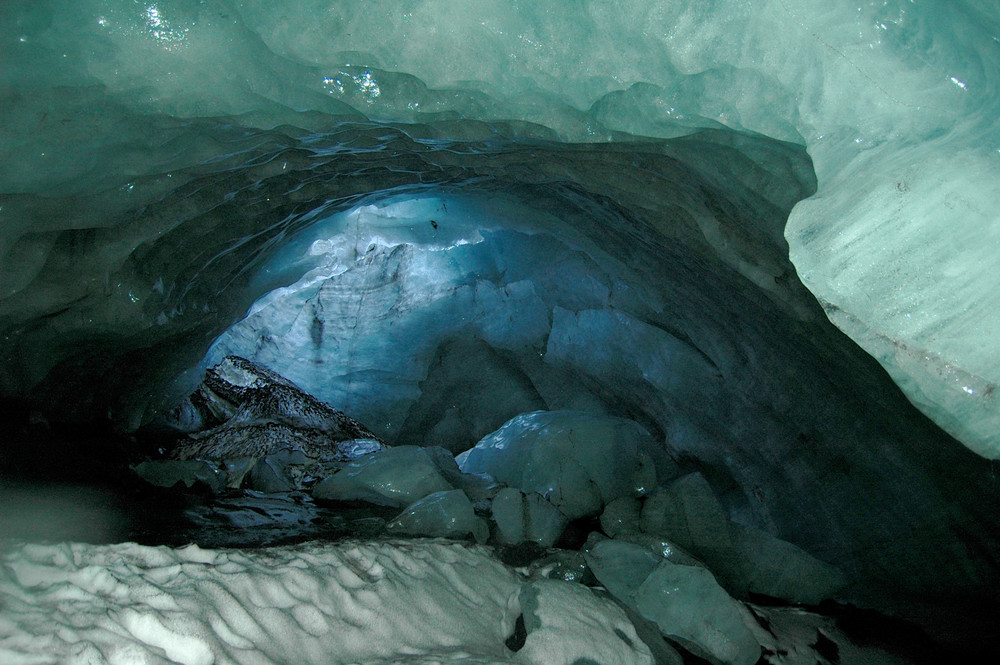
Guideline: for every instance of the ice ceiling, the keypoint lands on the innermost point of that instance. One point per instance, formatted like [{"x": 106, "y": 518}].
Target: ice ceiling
[
  {"x": 591, "y": 204},
  {"x": 130, "y": 125}
]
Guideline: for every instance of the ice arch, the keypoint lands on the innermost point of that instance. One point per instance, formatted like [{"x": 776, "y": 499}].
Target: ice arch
[
  {"x": 895, "y": 102},
  {"x": 161, "y": 156}
]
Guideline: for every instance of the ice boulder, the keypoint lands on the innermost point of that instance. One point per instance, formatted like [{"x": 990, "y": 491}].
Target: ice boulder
[
  {"x": 393, "y": 477},
  {"x": 480, "y": 488},
  {"x": 621, "y": 567},
  {"x": 446, "y": 514},
  {"x": 520, "y": 517},
  {"x": 577, "y": 461},
  {"x": 692, "y": 609},
  {"x": 621, "y": 516},
  {"x": 745, "y": 560},
  {"x": 564, "y": 565},
  {"x": 661, "y": 547},
  {"x": 777, "y": 568},
  {"x": 688, "y": 512},
  {"x": 273, "y": 473},
  {"x": 167, "y": 473},
  {"x": 685, "y": 602}
]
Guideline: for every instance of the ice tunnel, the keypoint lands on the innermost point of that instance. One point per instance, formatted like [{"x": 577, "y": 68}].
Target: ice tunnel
[{"x": 763, "y": 234}]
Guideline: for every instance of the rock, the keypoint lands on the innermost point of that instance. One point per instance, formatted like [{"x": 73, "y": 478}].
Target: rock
[
  {"x": 245, "y": 412},
  {"x": 236, "y": 391}
]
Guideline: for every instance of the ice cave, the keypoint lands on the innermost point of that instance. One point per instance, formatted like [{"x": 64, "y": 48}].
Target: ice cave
[{"x": 425, "y": 331}]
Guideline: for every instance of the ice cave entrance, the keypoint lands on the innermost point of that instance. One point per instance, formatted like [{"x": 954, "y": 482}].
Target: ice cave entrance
[{"x": 426, "y": 315}]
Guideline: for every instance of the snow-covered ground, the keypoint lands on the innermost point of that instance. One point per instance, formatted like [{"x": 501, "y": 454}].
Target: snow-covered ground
[{"x": 422, "y": 601}]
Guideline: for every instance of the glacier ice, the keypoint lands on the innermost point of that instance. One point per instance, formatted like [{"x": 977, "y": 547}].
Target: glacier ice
[
  {"x": 524, "y": 517},
  {"x": 579, "y": 462},
  {"x": 689, "y": 606},
  {"x": 685, "y": 602},
  {"x": 894, "y": 100},
  {"x": 446, "y": 514},
  {"x": 623, "y": 179},
  {"x": 393, "y": 477}
]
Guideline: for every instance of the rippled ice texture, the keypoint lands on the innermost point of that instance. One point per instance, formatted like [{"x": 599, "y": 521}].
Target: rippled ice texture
[{"x": 413, "y": 602}]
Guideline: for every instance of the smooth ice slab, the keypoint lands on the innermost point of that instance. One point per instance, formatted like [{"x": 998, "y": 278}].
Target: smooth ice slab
[
  {"x": 392, "y": 477},
  {"x": 689, "y": 606},
  {"x": 446, "y": 514},
  {"x": 167, "y": 473},
  {"x": 530, "y": 517},
  {"x": 579, "y": 462},
  {"x": 685, "y": 602}
]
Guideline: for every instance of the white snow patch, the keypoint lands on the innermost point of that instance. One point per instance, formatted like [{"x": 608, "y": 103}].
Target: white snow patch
[{"x": 417, "y": 601}]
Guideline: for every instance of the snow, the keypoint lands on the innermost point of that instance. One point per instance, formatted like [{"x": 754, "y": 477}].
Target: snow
[{"x": 419, "y": 601}]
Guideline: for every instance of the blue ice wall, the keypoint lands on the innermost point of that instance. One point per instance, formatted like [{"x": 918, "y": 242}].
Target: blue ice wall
[
  {"x": 169, "y": 168},
  {"x": 110, "y": 106}
]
